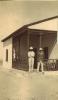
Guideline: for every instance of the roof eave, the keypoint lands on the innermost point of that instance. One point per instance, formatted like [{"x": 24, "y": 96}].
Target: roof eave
[
  {"x": 26, "y": 26},
  {"x": 13, "y": 34}
]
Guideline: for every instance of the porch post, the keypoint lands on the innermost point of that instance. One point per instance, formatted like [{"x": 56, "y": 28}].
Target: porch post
[
  {"x": 28, "y": 37},
  {"x": 40, "y": 41},
  {"x": 57, "y": 37},
  {"x": 28, "y": 43},
  {"x": 40, "y": 55}
]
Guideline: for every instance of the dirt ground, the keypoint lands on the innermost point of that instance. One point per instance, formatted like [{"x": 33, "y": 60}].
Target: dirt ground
[{"x": 20, "y": 85}]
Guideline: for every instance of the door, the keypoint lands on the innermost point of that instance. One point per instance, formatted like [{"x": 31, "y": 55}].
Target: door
[{"x": 35, "y": 59}]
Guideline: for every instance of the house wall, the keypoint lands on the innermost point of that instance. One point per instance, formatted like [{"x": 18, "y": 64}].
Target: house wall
[
  {"x": 7, "y": 45},
  {"x": 50, "y": 41}
]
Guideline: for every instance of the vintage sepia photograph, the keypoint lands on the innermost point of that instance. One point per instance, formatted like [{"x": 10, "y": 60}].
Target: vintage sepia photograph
[{"x": 28, "y": 50}]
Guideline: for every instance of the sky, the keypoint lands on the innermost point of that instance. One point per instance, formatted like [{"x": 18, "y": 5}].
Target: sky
[{"x": 15, "y": 14}]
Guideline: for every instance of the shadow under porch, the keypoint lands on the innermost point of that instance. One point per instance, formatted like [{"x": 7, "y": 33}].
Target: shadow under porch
[{"x": 19, "y": 52}]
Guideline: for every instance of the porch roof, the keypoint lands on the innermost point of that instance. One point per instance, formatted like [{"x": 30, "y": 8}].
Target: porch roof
[{"x": 49, "y": 24}]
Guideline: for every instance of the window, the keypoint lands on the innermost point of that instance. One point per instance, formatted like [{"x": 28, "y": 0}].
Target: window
[{"x": 6, "y": 54}]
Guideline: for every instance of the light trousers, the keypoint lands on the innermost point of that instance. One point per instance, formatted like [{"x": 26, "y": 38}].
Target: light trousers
[
  {"x": 40, "y": 63},
  {"x": 31, "y": 63}
]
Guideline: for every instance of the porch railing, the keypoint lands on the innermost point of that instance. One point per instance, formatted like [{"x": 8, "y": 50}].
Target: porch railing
[{"x": 51, "y": 64}]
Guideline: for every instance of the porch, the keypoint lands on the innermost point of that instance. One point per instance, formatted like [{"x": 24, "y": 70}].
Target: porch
[{"x": 36, "y": 38}]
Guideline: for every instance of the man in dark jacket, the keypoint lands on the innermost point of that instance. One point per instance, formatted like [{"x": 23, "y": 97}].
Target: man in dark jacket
[{"x": 40, "y": 60}]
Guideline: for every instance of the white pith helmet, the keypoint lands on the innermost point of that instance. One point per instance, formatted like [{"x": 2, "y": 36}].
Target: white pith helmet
[
  {"x": 40, "y": 49},
  {"x": 31, "y": 48}
]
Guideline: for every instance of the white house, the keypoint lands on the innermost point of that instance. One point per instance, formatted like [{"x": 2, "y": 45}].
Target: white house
[{"x": 17, "y": 44}]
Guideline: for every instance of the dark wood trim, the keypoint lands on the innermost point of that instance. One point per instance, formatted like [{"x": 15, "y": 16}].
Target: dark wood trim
[
  {"x": 40, "y": 31},
  {"x": 16, "y": 33}
]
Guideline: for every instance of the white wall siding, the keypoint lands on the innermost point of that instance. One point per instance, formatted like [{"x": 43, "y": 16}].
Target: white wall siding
[
  {"x": 50, "y": 41},
  {"x": 7, "y": 45},
  {"x": 54, "y": 53}
]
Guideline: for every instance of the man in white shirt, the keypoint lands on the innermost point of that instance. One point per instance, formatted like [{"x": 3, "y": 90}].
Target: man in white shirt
[{"x": 31, "y": 55}]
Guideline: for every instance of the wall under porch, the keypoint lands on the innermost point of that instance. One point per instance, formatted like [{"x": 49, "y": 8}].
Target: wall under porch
[
  {"x": 49, "y": 39},
  {"x": 21, "y": 47}
]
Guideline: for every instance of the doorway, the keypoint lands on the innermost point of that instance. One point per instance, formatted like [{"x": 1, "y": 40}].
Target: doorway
[{"x": 35, "y": 59}]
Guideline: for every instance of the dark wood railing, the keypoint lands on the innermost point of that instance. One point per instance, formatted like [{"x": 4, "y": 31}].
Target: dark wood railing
[
  {"x": 20, "y": 61},
  {"x": 50, "y": 64}
]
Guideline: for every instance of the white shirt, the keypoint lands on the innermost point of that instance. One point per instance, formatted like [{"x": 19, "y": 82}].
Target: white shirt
[{"x": 31, "y": 54}]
